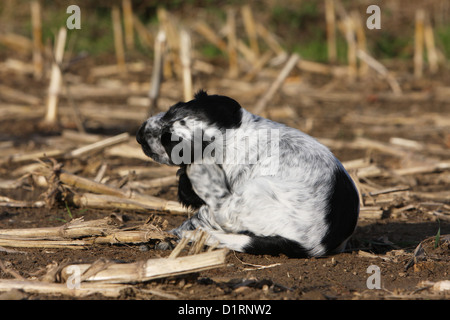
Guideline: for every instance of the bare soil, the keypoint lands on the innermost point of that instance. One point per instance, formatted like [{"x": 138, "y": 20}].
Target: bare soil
[{"x": 388, "y": 241}]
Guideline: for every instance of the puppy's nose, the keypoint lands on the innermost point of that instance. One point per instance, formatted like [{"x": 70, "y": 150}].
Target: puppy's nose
[{"x": 140, "y": 135}]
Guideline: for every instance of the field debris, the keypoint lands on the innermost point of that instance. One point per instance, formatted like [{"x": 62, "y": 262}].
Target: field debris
[
  {"x": 79, "y": 200},
  {"x": 78, "y": 233},
  {"x": 104, "y": 276}
]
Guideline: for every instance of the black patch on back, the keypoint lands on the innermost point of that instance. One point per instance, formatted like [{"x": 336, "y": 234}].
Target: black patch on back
[
  {"x": 274, "y": 245},
  {"x": 186, "y": 194},
  {"x": 343, "y": 210}
]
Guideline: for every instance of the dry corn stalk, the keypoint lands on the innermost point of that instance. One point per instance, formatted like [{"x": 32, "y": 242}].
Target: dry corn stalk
[
  {"x": 153, "y": 183},
  {"x": 23, "y": 157},
  {"x": 349, "y": 27},
  {"x": 377, "y": 66},
  {"x": 270, "y": 39},
  {"x": 186, "y": 64},
  {"x": 330, "y": 18},
  {"x": 118, "y": 39},
  {"x": 37, "y": 39},
  {"x": 431, "y": 47},
  {"x": 290, "y": 64},
  {"x": 109, "y": 278},
  {"x": 110, "y": 197},
  {"x": 360, "y": 39},
  {"x": 209, "y": 34},
  {"x": 419, "y": 43},
  {"x": 233, "y": 70},
  {"x": 150, "y": 269},
  {"x": 39, "y": 287},
  {"x": 250, "y": 28},
  {"x": 101, "y": 201},
  {"x": 128, "y": 22},
  {"x": 76, "y": 228},
  {"x": 19, "y": 95},
  {"x": 169, "y": 24},
  {"x": 17, "y": 42},
  {"x": 104, "y": 196},
  {"x": 56, "y": 78},
  {"x": 157, "y": 73},
  {"x": 145, "y": 36},
  {"x": 78, "y": 234},
  {"x": 99, "y": 145}
]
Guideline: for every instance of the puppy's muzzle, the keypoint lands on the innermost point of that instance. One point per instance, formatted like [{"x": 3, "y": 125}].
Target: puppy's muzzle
[
  {"x": 140, "y": 135},
  {"x": 149, "y": 137},
  {"x": 142, "y": 140}
]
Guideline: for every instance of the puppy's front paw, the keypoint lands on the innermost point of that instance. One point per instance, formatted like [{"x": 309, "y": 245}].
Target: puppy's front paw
[{"x": 208, "y": 181}]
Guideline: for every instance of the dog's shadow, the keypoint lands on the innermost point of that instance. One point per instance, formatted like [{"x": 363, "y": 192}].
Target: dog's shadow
[{"x": 381, "y": 237}]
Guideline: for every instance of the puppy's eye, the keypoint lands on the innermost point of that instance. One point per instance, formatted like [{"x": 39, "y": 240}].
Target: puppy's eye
[{"x": 182, "y": 122}]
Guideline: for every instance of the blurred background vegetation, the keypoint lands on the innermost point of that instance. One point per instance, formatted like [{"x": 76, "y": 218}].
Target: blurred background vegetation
[{"x": 298, "y": 24}]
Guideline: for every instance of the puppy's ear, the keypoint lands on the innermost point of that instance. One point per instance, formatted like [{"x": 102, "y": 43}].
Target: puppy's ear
[
  {"x": 166, "y": 141},
  {"x": 200, "y": 94},
  {"x": 222, "y": 111},
  {"x": 186, "y": 194},
  {"x": 169, "y": 140},
  {"x": 187, "y": 151}
]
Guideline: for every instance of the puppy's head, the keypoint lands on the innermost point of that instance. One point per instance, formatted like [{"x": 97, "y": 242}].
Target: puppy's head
[{"x": 180, "y": 135}]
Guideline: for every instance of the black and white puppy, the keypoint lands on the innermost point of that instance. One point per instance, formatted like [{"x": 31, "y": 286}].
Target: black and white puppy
[{"x": 257, "y": 186}]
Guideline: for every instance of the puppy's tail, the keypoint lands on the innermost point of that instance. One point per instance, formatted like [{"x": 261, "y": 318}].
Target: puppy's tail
[{"x": 250, "y": 243}]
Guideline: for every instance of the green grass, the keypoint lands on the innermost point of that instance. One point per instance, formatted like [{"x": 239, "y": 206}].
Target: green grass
[
  {"x": 315, "y": 49},
  {"x": 437, "y": 238},
  {"x": 69, "y": 214},
  {"x": 302, "y": 26},
  {"x": 94, "y": 37},
  {"x": 443, "y": 40},
  {"x": 299, "y": 24},
  {"x": 210, "y": 51},
  {"x": 388, "y": 45}
]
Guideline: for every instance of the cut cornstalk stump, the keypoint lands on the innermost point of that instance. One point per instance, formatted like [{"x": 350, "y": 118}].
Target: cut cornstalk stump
[
  {"x": 118, "y": 39},
  {"x": 51, "y": 116},
  {"x": 157, "y": 73},
  {"x": 186, "y": 64},
  {"x": 36, "y": 21}
]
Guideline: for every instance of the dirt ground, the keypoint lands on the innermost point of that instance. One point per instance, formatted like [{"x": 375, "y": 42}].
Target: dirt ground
[
  {"x": 343, "y": 276},
  {"x": 387, "y": 242}
]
